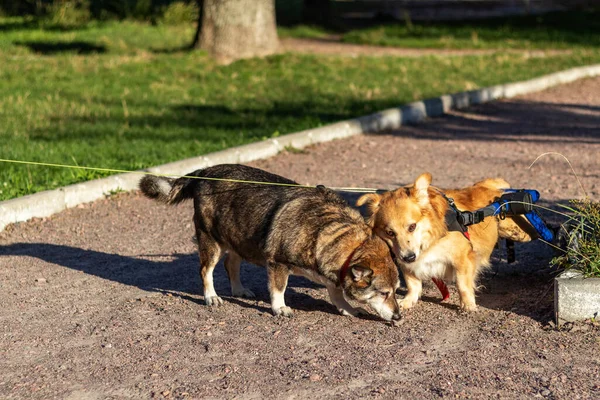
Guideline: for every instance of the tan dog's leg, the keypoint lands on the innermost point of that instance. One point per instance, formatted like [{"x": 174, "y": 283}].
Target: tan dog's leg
[
  {"x": 466, "y": 272},
  {"x": 278, "y": 277},
  {"x": 210, "y": 253},
  {"x": 232, "y": 266},
  {"x": 415, "y": 287}
]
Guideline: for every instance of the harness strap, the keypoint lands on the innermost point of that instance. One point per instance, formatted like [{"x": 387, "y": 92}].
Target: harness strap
[{"x": 454, "y": 222}]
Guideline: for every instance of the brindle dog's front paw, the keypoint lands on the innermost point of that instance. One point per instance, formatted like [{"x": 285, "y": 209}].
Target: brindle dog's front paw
[
  {"x": 243, "y": 292},
  {"x": 213, "y": 301},
  {"x": 353, "y": 312},
  {"x": 283, "y": 312}
]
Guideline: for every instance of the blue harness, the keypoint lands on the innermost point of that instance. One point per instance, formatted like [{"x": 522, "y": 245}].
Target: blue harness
[{"x": 512, "y": 202}]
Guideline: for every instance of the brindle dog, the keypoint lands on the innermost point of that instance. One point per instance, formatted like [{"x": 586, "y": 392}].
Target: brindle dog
[{"x": 287, "y": 229}]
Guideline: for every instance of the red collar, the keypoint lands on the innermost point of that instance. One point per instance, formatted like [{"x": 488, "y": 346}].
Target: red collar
[{"x": 346, "y": 266}]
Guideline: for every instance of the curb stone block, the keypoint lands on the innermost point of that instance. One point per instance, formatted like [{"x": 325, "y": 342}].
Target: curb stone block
[
  {"x": 46, "y": 203},
  {"x": 576, "y": 298}
]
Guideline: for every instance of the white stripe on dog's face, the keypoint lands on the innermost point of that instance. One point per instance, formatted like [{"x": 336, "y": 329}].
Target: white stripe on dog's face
[
  {"x": 382, "y": 307},
  {"x": 380, "y": 295}
]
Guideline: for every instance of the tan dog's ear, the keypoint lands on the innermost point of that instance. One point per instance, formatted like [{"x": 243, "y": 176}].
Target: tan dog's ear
[
  {"x": 371, "y": 200},
  {"x": 421, "y": 185}
]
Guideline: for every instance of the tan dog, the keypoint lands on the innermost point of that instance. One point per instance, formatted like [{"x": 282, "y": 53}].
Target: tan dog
[{"x": 412, "y": 221}]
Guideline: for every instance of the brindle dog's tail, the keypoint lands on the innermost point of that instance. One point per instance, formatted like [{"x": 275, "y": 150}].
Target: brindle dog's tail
[{"x": 167, "y": 190}]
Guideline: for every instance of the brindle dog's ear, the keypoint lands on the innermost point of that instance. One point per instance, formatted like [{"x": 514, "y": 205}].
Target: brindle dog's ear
[
  {"x": 371, "y": 200},
  {"x": 361, "y": 273}
]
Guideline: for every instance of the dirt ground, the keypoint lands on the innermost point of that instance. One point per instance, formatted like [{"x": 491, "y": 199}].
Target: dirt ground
[
  {"x": 103, "y": 301},
  {"x": 334, "y": 46}
]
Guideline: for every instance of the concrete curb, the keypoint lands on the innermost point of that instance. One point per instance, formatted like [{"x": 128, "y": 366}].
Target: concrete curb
[
  {"x": 576, "y": 298},
  {"x": 46, "y": 203}
]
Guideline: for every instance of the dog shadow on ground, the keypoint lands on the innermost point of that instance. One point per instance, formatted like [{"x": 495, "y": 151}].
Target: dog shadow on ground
[
  {"x": 523, "y": 287},
  {"x": 177, "y": 274}
]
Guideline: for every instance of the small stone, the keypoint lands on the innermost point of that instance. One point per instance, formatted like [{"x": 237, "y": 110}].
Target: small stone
[
  {"x": 315, "y": 378},
  {"x": 545, "y": 392},
  {"x": 41, "y": 280},
  {"x": 166, "y": 393}
]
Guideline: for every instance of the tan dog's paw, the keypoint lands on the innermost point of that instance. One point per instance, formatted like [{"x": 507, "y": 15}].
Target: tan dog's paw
[
  {"x": 407, "y": 303},
  {"x": 468, "y": 307},
  {"x": 213, "y": 301},
  {"x": 283, "y": 312}
]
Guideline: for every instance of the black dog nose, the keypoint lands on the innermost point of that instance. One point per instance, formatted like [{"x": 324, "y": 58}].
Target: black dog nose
[
  {"x": 410, "y": 257},
  {"x": 396, "y": 316}
]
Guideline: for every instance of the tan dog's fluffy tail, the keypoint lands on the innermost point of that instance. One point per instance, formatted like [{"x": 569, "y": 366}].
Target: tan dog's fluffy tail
[
  {"x": 494, "y": 183},
  {"x": 166, "y": 190}
]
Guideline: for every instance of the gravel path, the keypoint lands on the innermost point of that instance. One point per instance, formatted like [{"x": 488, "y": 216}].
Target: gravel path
[{"x": 103, "y": 301}]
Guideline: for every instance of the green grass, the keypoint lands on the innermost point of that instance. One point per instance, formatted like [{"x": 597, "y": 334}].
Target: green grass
[
  {"x": 104, "y": 96},
  {"x": 583, "y": 245},
  {"x": 566, "y": 30},
  {"x": 303, "y": 32}
]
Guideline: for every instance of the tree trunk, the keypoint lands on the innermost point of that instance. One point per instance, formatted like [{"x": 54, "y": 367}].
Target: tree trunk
[{"x": 234, "y": 29}]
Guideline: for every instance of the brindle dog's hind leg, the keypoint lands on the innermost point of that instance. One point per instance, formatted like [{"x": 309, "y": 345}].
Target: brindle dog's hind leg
[
  {"x": 278, "y": 277},
  {"x": 210, "y": 254},
  {"x": 232, "y": 266}
]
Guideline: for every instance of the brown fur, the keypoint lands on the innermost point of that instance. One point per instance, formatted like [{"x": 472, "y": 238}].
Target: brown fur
[
  {"x": 305, "y": 231},
  {"x": 431, "y": 251}
]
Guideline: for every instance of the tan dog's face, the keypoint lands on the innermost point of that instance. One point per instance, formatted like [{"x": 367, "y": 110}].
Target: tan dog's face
[
  {"x": 405, "y": 218},
  {"x": 374, "y": 279}
]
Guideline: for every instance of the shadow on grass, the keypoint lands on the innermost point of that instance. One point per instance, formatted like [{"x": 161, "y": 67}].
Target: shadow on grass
[
  {"x": 8, "y": 25},
  {"x": 509, "y": 120},
  {"x": 24, "y": 24},
  {"x": 48, "y": 48}
]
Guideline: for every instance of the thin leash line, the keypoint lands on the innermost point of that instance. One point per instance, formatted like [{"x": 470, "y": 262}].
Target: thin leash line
[{"x": 45, "y": 164}]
